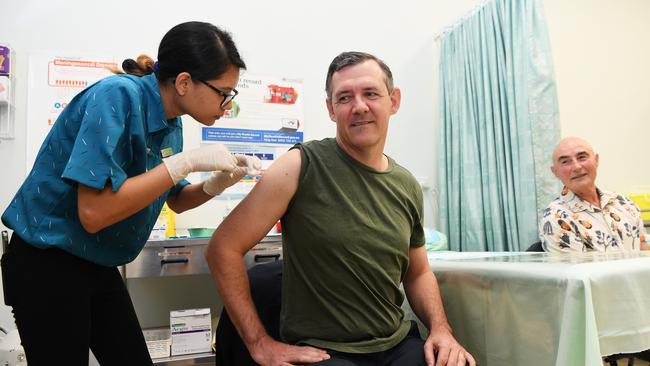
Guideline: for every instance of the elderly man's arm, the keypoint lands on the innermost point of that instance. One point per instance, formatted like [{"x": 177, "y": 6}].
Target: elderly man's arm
[
  {"x": 237, "y": 234},
  {"x": 556, "y": 231},
  {"x": 423, "y": 294}
]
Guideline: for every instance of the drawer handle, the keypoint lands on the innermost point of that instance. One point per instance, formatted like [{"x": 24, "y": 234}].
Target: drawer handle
[
  {"x": 178, "y": 256},
  {"x": 173, "y": 260},
  {"x": 260, "y": 257}
]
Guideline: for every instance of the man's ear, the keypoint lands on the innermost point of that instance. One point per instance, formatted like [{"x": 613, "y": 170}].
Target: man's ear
[
  {"x": 553, "y": 170},
  {"x": 396, "y": 99},
  {"x": 330, "y": 109},
  {"x": 182, "y": 83}
]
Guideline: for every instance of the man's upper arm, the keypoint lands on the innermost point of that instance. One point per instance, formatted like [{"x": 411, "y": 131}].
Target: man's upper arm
[
  {"x": 418, "y": 263},
  {"x": 263, "y": 206}
]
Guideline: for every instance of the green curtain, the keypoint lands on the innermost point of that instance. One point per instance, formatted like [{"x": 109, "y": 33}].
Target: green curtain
[{"x": 499, "y": 124}]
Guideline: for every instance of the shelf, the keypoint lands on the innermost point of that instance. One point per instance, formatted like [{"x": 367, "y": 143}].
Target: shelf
[{"x": 191, "y": 359}]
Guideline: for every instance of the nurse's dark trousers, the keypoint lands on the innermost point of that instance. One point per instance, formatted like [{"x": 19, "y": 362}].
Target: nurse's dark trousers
[{"x": 64, "y": 306}]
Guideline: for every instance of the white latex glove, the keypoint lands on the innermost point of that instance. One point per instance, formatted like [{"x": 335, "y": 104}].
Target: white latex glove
[
  {"x": 252, "y": 163},
  {"x": 203, "y": 159},
  {"x": 219, "y": 181}
]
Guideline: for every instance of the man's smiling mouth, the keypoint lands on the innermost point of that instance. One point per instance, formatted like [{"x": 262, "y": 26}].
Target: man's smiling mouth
[{"x": 360, "y": 123}]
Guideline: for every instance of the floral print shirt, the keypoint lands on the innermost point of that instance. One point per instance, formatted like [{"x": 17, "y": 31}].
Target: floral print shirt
[{"x": 571, "y": 224}]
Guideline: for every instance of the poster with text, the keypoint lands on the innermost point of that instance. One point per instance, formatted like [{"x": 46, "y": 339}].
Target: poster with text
[
  {"x": 52, "y": 83},
  {"x": 266, "y": 119}
]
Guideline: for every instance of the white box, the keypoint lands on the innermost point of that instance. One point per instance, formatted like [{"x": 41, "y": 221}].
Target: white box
[
  {"x": 5, "y": 89},
  {"x": 289, "y": 125},
  {"x": 158, "y": 341},
  {"x": 191, "y": 331}
]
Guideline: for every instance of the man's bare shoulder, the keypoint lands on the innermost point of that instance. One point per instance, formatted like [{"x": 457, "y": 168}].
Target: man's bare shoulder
[
  {"x": 287, "y": 167},
  {"x": 280, "y": 181}
]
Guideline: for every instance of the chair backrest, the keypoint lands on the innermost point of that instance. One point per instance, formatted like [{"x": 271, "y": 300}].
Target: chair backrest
[{"x": 536, "y": 247}]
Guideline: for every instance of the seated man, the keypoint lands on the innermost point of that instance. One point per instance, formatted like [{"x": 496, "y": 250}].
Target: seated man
[
  {"x": 584, "y": 217},
  {"x": 352, "y": 233}
]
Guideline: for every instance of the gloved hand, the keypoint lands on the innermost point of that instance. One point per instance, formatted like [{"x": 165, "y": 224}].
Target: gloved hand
[
  {"x": 219, "y": 181},
  {"x": 252, "y": 163},
  {"x": 203, "y": 159}
]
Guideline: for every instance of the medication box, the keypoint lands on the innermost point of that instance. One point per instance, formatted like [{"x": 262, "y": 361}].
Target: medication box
[
  {"x": 191, "y": 331},
  {"x": 158, "y": 342},
  {"x": 5, "y": 86},
  {"x": 5, "y": 60}
]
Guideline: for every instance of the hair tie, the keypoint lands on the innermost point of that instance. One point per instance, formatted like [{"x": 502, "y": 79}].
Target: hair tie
[{"x": 155, "y": 67}]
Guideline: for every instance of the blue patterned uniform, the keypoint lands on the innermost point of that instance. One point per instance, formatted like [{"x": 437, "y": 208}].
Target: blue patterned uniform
[{"x": 113, "y": 130}]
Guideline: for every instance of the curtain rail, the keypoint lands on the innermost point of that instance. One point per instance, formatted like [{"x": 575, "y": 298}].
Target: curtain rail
[{"x": 445, "y": 30}]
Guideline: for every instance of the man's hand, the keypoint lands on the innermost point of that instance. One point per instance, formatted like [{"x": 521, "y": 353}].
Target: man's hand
[
  {"x": 269, "y": 352},
  {"x": 441, "y": 349}
]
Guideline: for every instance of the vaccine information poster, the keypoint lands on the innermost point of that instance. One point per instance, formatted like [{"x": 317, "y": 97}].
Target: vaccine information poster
[
  {"x": 53, "y": 81},
  {"x": 266, "y": 119}
]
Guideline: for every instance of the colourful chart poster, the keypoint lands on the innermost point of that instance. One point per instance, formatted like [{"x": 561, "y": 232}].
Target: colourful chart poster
[
  {"x": 53, "y": 81},
  {"x": 266, "y": 119}
]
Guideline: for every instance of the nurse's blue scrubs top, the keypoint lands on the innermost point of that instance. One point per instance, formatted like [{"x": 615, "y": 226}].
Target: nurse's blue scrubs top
[{"x": 112, "y": 130}]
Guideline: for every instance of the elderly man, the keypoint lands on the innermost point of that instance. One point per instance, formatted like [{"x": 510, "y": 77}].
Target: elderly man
[
  {"x": 585, "y": 217},
  {"x": 352, "y": 233}
]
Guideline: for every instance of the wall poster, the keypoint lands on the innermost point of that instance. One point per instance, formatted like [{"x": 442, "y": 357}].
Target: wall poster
[
  {"x": 52, "y": 83},
  {"x": 266, "y": 119}
]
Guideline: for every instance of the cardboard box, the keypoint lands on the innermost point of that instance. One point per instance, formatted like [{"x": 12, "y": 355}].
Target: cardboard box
[{"x": 191, "y": 331}]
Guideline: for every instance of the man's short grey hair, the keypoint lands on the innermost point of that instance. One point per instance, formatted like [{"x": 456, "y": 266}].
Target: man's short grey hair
[{"x": 354, "y": 58}]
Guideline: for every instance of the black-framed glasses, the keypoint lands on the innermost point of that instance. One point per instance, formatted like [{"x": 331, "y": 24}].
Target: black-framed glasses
[{"x": 227, "y": 98}]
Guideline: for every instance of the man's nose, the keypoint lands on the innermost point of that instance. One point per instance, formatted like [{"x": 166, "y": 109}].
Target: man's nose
[
  {"x": 575, "y": 164},
  {"x": 359, "y": 105}
]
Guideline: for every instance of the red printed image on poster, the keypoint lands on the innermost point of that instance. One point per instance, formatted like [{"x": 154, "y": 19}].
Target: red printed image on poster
[{"x": 280, "y": 95}]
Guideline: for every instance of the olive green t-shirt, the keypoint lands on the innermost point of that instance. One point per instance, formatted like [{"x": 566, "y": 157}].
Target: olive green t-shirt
[{"x": 346, "y": 238}]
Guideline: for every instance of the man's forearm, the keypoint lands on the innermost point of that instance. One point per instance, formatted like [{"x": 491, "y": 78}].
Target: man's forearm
[
  {"x": 229, "y": 274},
  {"x": 423, "y": 294}
]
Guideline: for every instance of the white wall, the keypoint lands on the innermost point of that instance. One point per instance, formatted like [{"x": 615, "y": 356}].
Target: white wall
[{"x": 601, "y": 50}]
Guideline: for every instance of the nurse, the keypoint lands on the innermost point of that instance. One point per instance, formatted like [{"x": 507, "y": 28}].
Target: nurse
[{"x": 100, "y": 179}]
